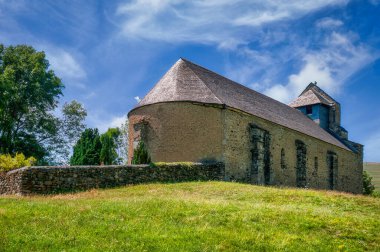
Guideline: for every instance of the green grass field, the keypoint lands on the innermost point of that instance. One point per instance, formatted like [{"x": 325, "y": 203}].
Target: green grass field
[
  {"x": 197, "y": 216},
  {"x": 374, "y": 170}
]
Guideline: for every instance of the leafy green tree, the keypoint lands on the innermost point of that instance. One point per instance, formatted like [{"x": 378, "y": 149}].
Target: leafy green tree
[
  {"x": 108, "y": 153},
  {"x": 71, "y": 125},
  {"x": 141, "y": 155},
  {"x": 87, "y": 149},
  {"x": 29, "y": 93}
]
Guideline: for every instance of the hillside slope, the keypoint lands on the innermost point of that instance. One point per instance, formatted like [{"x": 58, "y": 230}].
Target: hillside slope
[
  {"x": 197, "y": 216},
  {"x": 374, "y": 171}
]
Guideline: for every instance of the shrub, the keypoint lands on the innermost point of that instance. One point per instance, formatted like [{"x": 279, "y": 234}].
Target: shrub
[
  {"x": 140, "y": 154},
  {"x": 368, "y": 187},
  {"x": 7, "y": 162}
]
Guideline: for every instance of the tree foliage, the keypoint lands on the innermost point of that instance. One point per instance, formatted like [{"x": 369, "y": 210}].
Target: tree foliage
[
  {"x": 140, "y": 154},
  {"x": 71, "y": 125},
  {"x": 108, "y": 152},
  {"x": 87, "y": 149},
  {"x": 7, "y": 162},
  {"x": 29, "y": 93},
  {"x": 368, "y": 187},
  {"x": 95, "y": 149},
  {"x": 122, "y": 143}
]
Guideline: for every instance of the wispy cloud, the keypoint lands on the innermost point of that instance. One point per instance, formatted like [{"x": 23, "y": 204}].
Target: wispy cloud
[
  {"x": 233, "y": 25},
  {"x": 328, "y": 23},
  {"x": 219, "y": 22},
  {"x": 65, "y": 64},
  {"x": 63, "y": 60}
]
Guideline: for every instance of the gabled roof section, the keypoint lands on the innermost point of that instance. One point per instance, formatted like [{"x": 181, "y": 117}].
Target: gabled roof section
[
  {"x": 186, "y": 81},
  {"x": 308, "y": 98},
  {"x": 312, "y": 95}
]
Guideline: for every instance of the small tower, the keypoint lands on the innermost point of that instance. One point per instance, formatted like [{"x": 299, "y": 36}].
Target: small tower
[{"x": 321, "y": 108}]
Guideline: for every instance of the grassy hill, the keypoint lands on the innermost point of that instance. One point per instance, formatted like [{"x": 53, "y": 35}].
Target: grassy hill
[
  {"x": 197, "y": 216},
  {"x": 374, "y": 170}
]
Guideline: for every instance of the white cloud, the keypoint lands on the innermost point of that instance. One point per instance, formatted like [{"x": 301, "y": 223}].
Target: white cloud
[
  {"x": 315, "y": 69},
  {"x": 233, "y": 25},
  {"x": 64, "y": 64},
  {"x": 219, "y": 22},
  {"x": 117, "y": 121},
  {"x": 102, "y": 123},
  {"x": 328, "y": 23},
  {"x": 137, "y": 98},
  {"x": 278, "y": 92},
  {"x": 330, "y": 66}
]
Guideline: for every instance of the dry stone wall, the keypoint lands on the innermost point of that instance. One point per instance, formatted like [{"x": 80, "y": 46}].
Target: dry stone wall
[
  {"x": 46, "y": 180},
  {"x": 11, "y": 182}
]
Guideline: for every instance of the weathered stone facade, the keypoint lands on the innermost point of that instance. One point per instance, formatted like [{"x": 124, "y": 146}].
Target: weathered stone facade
[
  {"x": 246, "y": 144},
  {"x": 45, "y": 180},
  {"x": 173, "y": 132},
  {"x": 193, "y": 114}
]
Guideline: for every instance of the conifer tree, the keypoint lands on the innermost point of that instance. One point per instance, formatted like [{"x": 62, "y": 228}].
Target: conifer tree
[{"x": 87, "y": 149}]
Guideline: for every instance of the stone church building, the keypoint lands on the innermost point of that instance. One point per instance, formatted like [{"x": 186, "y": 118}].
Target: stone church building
[{"x": 194, "y": 114}]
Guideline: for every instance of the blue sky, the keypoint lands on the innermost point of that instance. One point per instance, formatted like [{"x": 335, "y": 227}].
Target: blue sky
[{"x": 110, "y": 52}]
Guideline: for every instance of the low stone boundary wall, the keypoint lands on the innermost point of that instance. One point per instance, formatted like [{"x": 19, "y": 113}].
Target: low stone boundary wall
[{"x": 58, "y": 179}]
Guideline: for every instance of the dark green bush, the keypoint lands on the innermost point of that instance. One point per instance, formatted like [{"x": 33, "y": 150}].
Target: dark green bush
[
  {"x": 368, "y": 187},
  {"x": 140, "y": 154}
]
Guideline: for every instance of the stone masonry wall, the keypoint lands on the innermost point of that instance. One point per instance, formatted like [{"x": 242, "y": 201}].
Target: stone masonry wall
[
  {"x": 284, "y": 155},
  {"x": 177, "y": 132},
  {"x": 11, "y": 182},
  {"x": 46, "y": 180}
]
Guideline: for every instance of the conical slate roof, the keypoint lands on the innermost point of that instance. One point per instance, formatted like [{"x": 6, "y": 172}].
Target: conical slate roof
[{"x": 186, "y": 81}]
